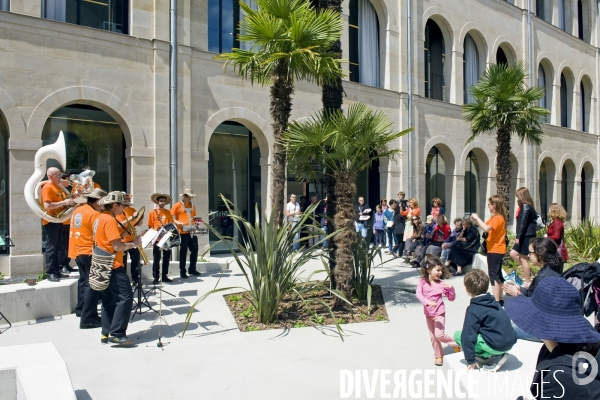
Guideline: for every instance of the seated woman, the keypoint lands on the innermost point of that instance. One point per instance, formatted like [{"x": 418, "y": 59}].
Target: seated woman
[
  {"x": 448, "y": 243},
  {"x": 552, "y": 314},
  {"x": 542, "y": 254},
  {"x": 466, "y": 246},
  {"x": 441, "y": 232},
  {"x": 417, "y": 237}
]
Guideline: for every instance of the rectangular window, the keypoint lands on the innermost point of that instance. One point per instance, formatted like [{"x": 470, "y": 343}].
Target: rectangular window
[
  {"x": 108, "y": 15},
  {"x": 353, "y": 31},
  {"x": 4, "y": 5}
]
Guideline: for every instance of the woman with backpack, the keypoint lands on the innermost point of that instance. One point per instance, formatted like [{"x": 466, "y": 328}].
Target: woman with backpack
[{"x": 526, "y": 228}]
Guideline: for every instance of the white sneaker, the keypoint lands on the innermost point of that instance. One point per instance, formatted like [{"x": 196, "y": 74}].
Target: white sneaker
[{"x": 496, "y": 362}]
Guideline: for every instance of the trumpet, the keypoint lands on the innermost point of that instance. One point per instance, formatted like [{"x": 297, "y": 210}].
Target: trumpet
[
  {"x": 143, "y": 255},
  {"x": 82, "y": 183}
]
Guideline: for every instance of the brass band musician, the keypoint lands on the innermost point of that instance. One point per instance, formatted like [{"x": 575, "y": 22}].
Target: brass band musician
[{"x": 183, "y": 214}]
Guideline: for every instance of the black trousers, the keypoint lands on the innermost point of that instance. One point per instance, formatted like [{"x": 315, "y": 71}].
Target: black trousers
[
  {"x": 116, "y": 304},
  {"x": 63, "y": 247},
  {"x": 399, "y": 246},
  {"x": 83, "y": 263},
  {"x": 191, "y": 243},
  {"x": 53, "y": 242},
  {"x": 166, "y": 257},
  {"x": 135, "y": 262}
]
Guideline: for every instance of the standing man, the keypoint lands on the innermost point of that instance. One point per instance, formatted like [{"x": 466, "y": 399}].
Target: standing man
[
  {"x": 81, "y": 242},
  {"x": 157, "y": 218},
  {"x": 293, "y": 215},
  {"x": 117, "y": 299},
  {"x": 183, "y": 214},
  {"x": 129, "y": 214},
  {"x": 55, "y": 200},
  {"x": 363, "y": 214}
]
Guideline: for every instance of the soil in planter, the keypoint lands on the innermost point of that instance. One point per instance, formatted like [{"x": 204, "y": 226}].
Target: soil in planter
[{"x": 293, "y": 313}]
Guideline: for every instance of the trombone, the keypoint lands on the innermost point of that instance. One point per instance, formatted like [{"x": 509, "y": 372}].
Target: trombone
[{"x": 143, "y": 255}]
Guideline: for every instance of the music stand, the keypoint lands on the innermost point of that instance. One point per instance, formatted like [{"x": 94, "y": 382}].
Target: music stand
[
  {"x": 2, "y": 317},
  {"x": 159, "y": 316},
  {"x": 142, "y": 299}
]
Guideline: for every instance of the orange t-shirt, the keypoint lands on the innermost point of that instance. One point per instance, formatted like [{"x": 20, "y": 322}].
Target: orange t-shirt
[
  {"x": 52, "y": 193},
  {"x": 179, "y": 213},
  {"x": 127, "y": 213},
  {"x": 81, "y": 239},
  {"x": 495, "y": 242},
  {"x": 165, "y": 217},
  {"x": 106, "y": 230}
]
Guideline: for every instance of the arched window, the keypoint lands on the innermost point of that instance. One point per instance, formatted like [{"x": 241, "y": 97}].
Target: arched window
[
  {"x": 584, "y": 114},
  {"x": 471, "y": 67},
  {"x": 4, "y": 188},
  {"x": 223, "y": 22},
  {"x": 471, "y": 183},
  {"x": 564, "y": 191},
  {"x": 543, "y": 83},
  {"x": 565, "y": 116},
  {"x": 561, "y": 15},
  {"x": 233, "y": 170},
  {"x": 364, "y": 43},
  {"x": 501, "y": 56},
  {"x": 583, "y": 196},
  {"x": 93, "y": 139},
  {"x": 434, "y": 61},
  {"x": 110, "y": 15},
  {"x": 540, "y": 9},
  {"x": 543, "y": 190},
  {"x": 435, "y": 176}
]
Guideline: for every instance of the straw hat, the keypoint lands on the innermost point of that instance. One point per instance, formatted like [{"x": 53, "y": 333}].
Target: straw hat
[
  {"x": 552, "y": 313},
  {"x": 114, "y": 197},
  {"x": 155, "y": 197},
  {"x": 189, "y": 192},
  {"x": 94, "y": 194}
]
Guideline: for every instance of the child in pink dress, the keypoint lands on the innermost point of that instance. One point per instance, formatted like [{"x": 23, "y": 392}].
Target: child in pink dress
[{"x": 430, "y": 290}]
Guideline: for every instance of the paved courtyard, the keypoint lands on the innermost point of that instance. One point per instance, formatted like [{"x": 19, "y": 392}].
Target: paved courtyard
[{"x": 216, "y": 361}]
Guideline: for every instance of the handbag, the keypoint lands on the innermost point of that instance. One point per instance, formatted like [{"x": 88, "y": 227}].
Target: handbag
[
  {"x": 101, "y": 269},
  {"x": 563, "y": 252},
  {"x": 484, "y": 236}
]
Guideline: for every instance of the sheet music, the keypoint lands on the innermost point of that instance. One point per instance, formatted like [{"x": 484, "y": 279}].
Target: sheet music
[{"x": 148, "y": 237}]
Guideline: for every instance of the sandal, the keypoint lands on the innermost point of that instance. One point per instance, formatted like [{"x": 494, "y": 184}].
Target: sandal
[{"x": 439, "y": 362}]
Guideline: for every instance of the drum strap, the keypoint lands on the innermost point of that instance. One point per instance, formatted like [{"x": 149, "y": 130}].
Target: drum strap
[{"x": 159, "y": 219}]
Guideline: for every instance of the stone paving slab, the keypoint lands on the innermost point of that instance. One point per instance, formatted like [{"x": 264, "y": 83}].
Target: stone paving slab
[{"x": 216, "y": 361}]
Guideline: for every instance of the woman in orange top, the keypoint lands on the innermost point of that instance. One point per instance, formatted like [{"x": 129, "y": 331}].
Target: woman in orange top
[{"x": 495, "y": 242}]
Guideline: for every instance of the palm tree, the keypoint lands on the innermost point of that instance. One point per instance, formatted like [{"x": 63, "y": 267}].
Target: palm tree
[
  {"x": 289, "y": 41},
  {"x": 504, "y": 105},
  {"x": 332, "y": 98},
  {"x": 343, "y": 145}
]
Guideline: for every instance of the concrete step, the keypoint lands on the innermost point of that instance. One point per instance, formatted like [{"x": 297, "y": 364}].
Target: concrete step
[{"x": 34, "y": 372}]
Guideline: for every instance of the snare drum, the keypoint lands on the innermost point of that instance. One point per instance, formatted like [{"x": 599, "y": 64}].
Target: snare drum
[{"x": 174, "y": 239}]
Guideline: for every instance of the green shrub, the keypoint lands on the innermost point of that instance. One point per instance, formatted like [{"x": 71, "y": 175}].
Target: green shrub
[
  {"x": 235, "y": 297},
  {"x": 364, "y": 258},
  {"x": 380, "y": 318},
  {"x": 271, "y": 267},
  {"x": 299, "y": 324},
  {"x": 252, "y": 329},
  {"x": 583, "y": 240}
]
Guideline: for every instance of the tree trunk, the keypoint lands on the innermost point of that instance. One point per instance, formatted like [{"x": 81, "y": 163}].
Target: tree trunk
[
  {"x": 344, "y": 219},
  {"x": 281, "y": 109},
  {"x": 503, "y": 165},
  {"x": 332, "y": 98}
]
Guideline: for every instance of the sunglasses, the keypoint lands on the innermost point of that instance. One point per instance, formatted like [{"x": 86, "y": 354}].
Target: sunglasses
[{"x": 416, "y": 219}]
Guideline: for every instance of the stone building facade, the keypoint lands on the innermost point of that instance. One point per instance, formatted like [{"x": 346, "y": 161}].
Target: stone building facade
[{"x": 112, "y": 75}]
